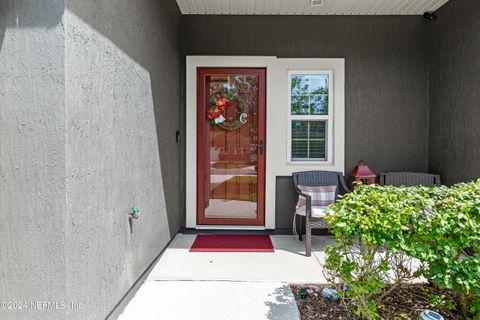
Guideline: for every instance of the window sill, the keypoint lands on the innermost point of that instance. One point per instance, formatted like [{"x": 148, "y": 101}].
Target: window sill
[{"x": 312, "y": 163}]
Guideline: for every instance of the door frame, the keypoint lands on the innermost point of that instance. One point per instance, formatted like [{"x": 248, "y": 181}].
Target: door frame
[
  {"x": 261, "y": 158},
  {"x": 277, "y": 110}
]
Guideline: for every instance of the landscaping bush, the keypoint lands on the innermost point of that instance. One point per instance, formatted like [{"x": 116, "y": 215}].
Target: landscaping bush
[{"x": 388, "y": 235}]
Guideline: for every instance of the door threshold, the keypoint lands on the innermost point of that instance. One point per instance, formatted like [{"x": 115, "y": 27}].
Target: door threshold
[{"x": 221, "y": 227}]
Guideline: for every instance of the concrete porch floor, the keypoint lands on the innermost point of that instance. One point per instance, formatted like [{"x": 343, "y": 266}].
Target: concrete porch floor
[
  {"x": 288, "y": 263},
  {"x": 191, "y": 285}
]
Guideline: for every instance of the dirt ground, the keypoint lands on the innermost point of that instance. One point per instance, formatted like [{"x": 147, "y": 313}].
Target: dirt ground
[{"x": 406, "y": 303}]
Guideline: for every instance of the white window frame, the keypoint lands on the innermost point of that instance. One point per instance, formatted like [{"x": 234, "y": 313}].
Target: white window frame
[{"x": 328, "y": 118}]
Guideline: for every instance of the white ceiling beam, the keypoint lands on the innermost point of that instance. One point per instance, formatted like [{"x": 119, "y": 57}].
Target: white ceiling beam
[
  {"x": 207, "y": 4},
  {"x": 367, "y": 7},
  {"x": 193, "y": 6},
  {"x": 217, "y": 5},
  {"x": 385, "y": 6},
  {"x": 303, "y": 7},
  {"x": 328, "y": 6},
  {"x": 430, "y": 6},
  {"x": 344, "y": 5},
  {"x": 183, "y": 6},
  {"x": 407, "y": 7},
  {"x": 358, "y": 6},
  {"x": 439, "y": 5},
  {"x": 419, "y": 5}
]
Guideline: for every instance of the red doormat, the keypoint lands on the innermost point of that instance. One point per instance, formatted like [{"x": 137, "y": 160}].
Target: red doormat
[{"x": 232, "y": 243}]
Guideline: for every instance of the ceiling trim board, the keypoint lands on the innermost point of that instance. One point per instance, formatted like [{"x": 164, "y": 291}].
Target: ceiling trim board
[{"x": 304, "y": 7}]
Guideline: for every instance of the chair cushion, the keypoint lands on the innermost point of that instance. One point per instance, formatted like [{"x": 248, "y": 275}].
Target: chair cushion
[
  {"x": 317, "y": 212},
  {"x": 321, "y": 195}
]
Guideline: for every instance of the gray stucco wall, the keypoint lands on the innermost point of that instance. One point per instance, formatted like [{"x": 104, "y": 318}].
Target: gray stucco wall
[
  {"x": 90, "y": 100},
  {"x": 386, "y": 73},
  {"x": 455, "y": 92},
  {"x": 386, "y": 82},
  {"x": 89, "y": 109},
  {"x": 32, "y": 157},
  {"x": 122, "y": 89}
]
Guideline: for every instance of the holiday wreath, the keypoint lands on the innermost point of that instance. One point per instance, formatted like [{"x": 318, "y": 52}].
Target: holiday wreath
[{"x": 218, "y": 105}]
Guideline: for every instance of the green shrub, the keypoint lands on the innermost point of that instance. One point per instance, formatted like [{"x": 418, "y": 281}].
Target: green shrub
[{"x": 389, "y": 235}]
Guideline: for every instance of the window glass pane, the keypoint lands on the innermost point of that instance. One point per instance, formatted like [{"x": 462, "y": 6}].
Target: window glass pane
[
  {"x": 318, "y": 104},
  {"x": 317, "y": 149},
  {"x": 317, "y": 129},
  {"x": 300, "y": 104},
  {"x": 309, "y": 140},
  {"x": 318, "y": 83},
  {"x": 309, "y": 94},
  {"x": 299, "y": 149},
  {"x": 299, "y": 129},
  {"x": 299, "y": 84}
]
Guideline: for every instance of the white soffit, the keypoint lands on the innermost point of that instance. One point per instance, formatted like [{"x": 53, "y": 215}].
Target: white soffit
[{"x": 305, "y": 7}]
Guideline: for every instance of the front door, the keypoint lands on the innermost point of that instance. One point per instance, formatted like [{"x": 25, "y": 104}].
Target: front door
[{"x": 231, "y": 146}]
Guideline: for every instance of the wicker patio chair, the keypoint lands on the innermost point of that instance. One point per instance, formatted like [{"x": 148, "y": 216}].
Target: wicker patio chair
[
  {"x": 409, "y": 179},
  {"x": 315, "y": 179}
]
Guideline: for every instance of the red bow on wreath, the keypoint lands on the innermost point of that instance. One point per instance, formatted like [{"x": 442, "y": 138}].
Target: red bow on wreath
[{"x": 217, "y": 108}]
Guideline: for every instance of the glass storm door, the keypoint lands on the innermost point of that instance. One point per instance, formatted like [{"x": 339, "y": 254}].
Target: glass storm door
[{"x": 230, "y": 146}]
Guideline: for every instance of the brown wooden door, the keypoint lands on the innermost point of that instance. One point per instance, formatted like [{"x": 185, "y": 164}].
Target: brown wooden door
[{"x": 231, "y": 146}]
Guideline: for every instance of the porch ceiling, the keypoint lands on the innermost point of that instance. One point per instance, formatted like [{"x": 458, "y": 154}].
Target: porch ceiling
[{"x": 304, "y": 7}]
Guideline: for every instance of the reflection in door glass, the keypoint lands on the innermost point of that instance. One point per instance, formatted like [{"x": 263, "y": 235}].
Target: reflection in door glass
[{"x": 231, "y": 148}]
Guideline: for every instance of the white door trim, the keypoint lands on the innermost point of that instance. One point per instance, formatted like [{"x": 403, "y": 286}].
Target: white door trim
[
  {"x": 194, "y": 62},
  {"x": 276, "y": 126}
]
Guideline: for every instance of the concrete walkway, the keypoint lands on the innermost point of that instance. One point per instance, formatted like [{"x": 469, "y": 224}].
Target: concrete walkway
[
  {"x": 212, "y": 300},
  {"x": 187, "y": 285}
]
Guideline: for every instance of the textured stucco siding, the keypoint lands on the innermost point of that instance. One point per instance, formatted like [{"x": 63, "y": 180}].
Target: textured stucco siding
[
  {"x": 122, "y": 78},
  {"x": 454, "y": 143},
  {"x": 89, "y": 109},
  {"x": 92, "y": 94},
  {"x": 32, "y": 158}
]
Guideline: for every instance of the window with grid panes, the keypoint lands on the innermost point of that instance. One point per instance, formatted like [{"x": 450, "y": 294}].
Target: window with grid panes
[{"x": 310, "y": 115}]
